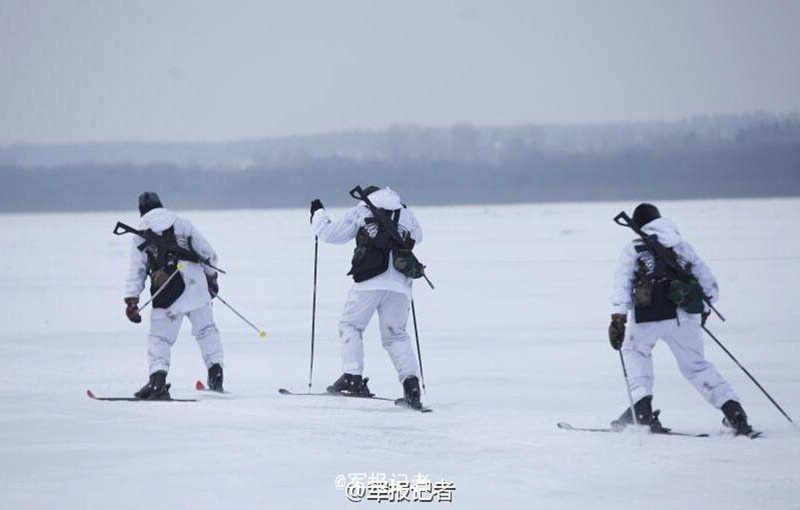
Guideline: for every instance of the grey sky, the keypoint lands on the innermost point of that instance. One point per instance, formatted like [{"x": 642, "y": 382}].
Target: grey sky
[{"x": 213, "y": 70}]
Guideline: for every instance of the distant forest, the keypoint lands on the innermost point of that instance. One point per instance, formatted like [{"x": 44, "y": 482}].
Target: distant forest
[{"x": 756, "y": 155}]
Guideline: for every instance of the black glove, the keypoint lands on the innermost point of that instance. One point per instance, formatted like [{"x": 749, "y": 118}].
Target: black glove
[
  {"x": 704, "y": 317},
  {"x": 132, "y": 309},
  {"x": 616, "y": 330},
  {"x": 213, "y": 285},
  {"x": 315, "y": 205}
]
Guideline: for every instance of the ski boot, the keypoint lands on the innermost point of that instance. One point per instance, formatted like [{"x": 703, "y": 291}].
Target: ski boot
[
  {"x": 644, "y": 416},
  {"x": 350, "y": 384},
  {"x": 156, "y": 388},
  {"x": 215, "y": 378},
  {"x": 736, "y": 418},
  {"x": 412, "y": 393}
]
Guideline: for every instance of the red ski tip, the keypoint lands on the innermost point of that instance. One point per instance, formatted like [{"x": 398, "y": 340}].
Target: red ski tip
[
  {"x": 200, "y": 386},
  {"x": 90, "y": 394}
]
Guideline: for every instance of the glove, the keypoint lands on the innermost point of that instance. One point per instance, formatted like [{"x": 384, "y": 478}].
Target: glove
[
  {"x": 213, "y": 286},
  {"x": 616, "y": 330},
  {"x": 704, "y": 317},
  {"x": 315, "y": 205},
  {"x": 132, "y": 309}
]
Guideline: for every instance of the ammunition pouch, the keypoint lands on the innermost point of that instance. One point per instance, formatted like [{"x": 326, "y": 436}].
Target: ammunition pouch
[
  {"x": 406, "y": 262},
  {"x": 687, "y": 295}
]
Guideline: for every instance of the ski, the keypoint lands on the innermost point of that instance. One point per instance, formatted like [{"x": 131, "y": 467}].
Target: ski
[
  {"x": 90, "y": 394},
  {"x": 566, "y": 426},
  {"x": 284, "y": 391},
  {"x": 402, "y": 402},
  {"x": 753, "y": 434},
  {"x": 200, "y": 386}
]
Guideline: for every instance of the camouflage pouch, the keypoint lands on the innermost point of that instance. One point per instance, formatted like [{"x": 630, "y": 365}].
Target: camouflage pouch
[
  {"x": 687, "y": 295},
  {"x": 406, "y": 263},
  {"x": 643, "y": 288}
]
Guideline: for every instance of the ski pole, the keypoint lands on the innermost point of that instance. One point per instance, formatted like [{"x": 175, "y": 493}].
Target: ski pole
[
  {"x": 748, "y": 374},
  {"x": 419, "y": 352},
  {"x": 178, "y": 269},
  {"x": 628, "y": 389},
  {"x": 260, "y": 332},
  {"x": 313, "y": 311}
]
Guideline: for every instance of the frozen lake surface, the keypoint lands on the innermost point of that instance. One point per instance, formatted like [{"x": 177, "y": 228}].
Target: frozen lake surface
[{"x": 513, "y": 340}]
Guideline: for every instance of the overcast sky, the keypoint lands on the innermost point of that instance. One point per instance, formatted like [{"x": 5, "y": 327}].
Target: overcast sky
[{"x": 109, "y": 70}]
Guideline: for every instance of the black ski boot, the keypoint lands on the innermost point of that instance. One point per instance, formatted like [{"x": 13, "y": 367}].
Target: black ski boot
[
  {"x": 215, "y": 378},
  {"x": 349, "y": 384},
  {"x": 644, "y": 415},
  {"x": 736, "y": 418},
  {"x": 156, "y": 388},
  {"x": 412, "y": 393}
]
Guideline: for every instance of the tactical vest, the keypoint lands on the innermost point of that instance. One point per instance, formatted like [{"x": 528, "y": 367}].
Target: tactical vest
[
  {"x": 373, "y": 247},
  {"x": 651, "y": 288},
  {"x": 161, "y": 265}
]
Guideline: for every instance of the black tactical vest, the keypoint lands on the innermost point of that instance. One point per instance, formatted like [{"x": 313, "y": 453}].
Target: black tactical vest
[
  {"x": 161, "y": 265},
  {"x": 373, "y": 247},
  {"x": 651, "y": 288}
]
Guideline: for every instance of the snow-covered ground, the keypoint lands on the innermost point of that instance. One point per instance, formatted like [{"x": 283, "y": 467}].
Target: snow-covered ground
[{"x": 513, "y": 338}]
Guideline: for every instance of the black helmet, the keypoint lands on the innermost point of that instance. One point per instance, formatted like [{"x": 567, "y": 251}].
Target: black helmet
[
  {"x": 644, "y": 214},
  {"x": 148, "y": 201}
]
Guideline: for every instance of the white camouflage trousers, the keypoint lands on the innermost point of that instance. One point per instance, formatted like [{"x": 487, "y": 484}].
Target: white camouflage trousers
[
  {"x": 164, "y": 331},
  {"x": 685, "y": 340},
  {"x": 392, "y": 308}
]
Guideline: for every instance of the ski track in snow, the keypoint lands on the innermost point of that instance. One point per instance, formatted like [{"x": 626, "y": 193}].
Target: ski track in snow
[{"x": 510, "y": 348}]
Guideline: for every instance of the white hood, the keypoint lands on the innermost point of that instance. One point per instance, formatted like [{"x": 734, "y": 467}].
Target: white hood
[
  {"x": 158, "y": 220},
  {"x": 665, "y": 230},
  {"x": 385, "y": 199}
]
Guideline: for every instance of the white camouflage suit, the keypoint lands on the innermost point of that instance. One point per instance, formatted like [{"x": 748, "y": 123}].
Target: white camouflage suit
[
  {"x": 389, "y": 293},
  {"x": 683, "y": 335},
  {"x": 194, "y": 303}
]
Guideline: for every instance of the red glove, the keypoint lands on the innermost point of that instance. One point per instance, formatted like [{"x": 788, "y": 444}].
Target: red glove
[{"x": 132, "y": 309}]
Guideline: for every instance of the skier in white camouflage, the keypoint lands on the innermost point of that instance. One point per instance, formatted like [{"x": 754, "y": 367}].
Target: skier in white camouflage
[
  {"x": 379, "y": 287},
  {"x": 175, "y": 296},
  {"x": 642, "y": 286}
]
